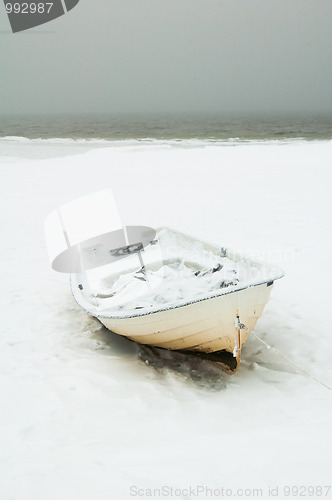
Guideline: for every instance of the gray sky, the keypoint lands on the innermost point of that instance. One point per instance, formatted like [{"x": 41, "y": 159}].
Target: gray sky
[{"x": 172, "y": 55}]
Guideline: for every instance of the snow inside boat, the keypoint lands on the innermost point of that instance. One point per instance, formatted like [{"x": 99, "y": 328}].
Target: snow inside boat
[{"x": 159, "y": 288}]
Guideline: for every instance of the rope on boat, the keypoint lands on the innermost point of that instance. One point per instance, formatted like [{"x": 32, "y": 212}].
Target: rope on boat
[{"x": 242, "y": 326}]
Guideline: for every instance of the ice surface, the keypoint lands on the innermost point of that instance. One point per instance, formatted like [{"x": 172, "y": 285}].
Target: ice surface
[{"x": 82, "y": 416}]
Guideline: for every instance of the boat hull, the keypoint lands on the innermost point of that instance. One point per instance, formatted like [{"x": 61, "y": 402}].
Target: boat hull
[{"x": 203, "y": 327}]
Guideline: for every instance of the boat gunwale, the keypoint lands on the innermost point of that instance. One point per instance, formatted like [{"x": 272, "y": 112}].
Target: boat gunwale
[{"x": 173, "y": 306}]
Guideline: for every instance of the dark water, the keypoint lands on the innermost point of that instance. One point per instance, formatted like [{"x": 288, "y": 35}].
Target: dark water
[{"x": 166, "y": 126}]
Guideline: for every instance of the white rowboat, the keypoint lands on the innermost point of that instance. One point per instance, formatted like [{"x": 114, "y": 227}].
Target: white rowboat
[{"x": 203, "y": 323}]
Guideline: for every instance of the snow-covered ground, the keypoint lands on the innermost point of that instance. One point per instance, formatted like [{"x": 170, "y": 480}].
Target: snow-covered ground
[{"x": 82, "y": 415}]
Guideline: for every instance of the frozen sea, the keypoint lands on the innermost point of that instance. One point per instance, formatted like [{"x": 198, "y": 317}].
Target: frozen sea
[{"x": 83, "y": 415}]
